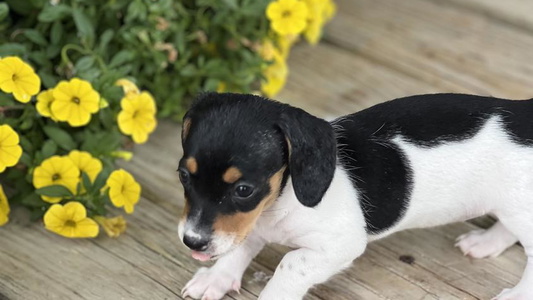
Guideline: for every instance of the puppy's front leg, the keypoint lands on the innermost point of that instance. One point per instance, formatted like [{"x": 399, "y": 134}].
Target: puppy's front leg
[
  {"x": 300, "y": 269},
  {"x": 226, "y": 274}
]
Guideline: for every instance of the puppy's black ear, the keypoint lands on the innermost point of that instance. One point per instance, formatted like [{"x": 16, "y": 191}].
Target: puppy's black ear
[{"x": 312, "y": 154}]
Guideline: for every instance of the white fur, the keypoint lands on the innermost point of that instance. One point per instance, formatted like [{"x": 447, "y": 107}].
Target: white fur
[{"x": 488, "y": 173}]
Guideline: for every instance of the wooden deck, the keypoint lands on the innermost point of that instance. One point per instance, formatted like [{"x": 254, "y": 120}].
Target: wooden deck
[{"x": 374, "y": 50}]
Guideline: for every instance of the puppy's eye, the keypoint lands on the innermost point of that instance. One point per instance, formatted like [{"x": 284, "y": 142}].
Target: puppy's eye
[
  {"x": 184, "y": 176},
  {"x": 243, "y": 191}
]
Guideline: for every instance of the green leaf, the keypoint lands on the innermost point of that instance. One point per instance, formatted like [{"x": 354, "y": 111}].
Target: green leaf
[
  {"x": 25, "y": 159},
  {"x": 61, "y": 137},
  {"x": 32, "y": 200},
  {"x": 83, "y": 23},
  {"x": 56, "y": 32},
  {"x": 25, "y": 143},
  {"x": 86, "y": 181},
  {"x": 26, "y": 124},
  {"x": 211, "y": 84},
  {"x": 120, "y": 58},
  {"x": 136, "y": 10},
  {"x": 49, "y": 148},
  {"x": 4, "y": 11},
  {"x": 188, "y": 70},
  {"x": 84, "y": 63},
  {"x": 109, "y": 141},
  {"x": 49, "y": 81},
  {"x": 21, "y": 7},
  {"x": 12, "y": 49},
  {"x": 78, "y": 188},
  {"x": 54, "y": 191},
  {"x": 90, "y": 75},
  {"x": 99, "y": 182},
  {"x": 35, "y": 36},
  {"x": 105, "y": 38},
  {"x": 51, "y": 13},
  {"x": 231, "y": 4}
]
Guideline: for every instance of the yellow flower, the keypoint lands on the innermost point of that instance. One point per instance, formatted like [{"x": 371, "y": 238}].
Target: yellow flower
[
  {"x": 70, "y": 220},
  {"x": 125, "y": 155},
  {"x": 123, "y": 190},
  {"x": 4, "y": 207},
  {"x": 10, "y": 151},
  {"x": 275, "y": 77},
  {"x": 329, "y": 10},
  {"x": 137, "y": 117},
  {"x": 56, "y": 171},
  {"x": 287, "y": 16},
  {"x": 18, "y": 78},
  {"x": 129, "y": 88},
  {"x": 112, "y": 226},
  {"x": 320, "y": 11},
  {"x": 86, "y": 163},
  {"x": 285, "y": 43},
  {"x": 313, "y": 30},
  {"x": 222, "y": 87},
  {"x": 44, "y": 102},
  {"x": 267, "y": 50},
  {"x": 103, "y": 103},
  {"x": 75, "y": 101}
]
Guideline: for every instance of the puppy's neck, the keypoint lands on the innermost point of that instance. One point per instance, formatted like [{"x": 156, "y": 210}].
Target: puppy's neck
[{"x": 281, "y": 207}]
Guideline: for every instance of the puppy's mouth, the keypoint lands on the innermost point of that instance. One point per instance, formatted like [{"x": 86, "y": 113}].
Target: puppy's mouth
[
  {"x": 212, "y": 253},
  {"x": 201, "y": 256}
]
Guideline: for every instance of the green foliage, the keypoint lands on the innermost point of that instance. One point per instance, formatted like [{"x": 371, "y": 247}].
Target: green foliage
[{"x": 173, "y": 48}]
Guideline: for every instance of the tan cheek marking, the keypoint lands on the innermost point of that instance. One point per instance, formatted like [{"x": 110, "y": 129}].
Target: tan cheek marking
[
  {"x": 240, "y": 224},
  {"x": 186, "y": 127},
  {"x": 186, "y": 209},
  {"x": 231, "y": 175},
  {"x": 191, "y": 165},
  {"x": 275, "y": 185}
]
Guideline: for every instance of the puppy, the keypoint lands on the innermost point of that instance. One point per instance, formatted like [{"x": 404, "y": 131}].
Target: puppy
[{"x": 256, "y": 171}]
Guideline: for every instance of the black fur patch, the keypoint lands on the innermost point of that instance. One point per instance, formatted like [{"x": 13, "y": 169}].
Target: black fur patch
[{"x": 381, "y": 172}]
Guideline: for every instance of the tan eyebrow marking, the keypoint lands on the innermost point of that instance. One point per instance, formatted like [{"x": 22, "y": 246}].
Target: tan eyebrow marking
[
  {"x": 231, "y": 175},
  {"x": 241, "y": 223},
  {"x": 192, "y": 165}
]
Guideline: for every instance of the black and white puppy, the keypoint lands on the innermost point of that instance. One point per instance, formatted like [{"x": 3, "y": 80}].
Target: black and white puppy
[{"x": 256, "y": 171}]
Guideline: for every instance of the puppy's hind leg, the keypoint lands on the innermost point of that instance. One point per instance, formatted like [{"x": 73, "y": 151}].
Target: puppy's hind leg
[
  {"x": 520, "y": 223},
  {"x": 486, "y": 243}
]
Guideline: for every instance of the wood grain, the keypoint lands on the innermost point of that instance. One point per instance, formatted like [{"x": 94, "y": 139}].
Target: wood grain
[{"x": 375, "y": 50}]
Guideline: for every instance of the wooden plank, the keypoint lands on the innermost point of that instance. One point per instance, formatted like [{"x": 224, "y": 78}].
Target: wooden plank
[
  {"x": 438, "y": 43},
  {"x": 512, "y": 12},
  {"x": 37, "y": 264},
  {"x": 328, "y": 81}
]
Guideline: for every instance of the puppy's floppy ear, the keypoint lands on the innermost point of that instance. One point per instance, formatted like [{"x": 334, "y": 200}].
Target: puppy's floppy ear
[{"x": 312, "y": 154}]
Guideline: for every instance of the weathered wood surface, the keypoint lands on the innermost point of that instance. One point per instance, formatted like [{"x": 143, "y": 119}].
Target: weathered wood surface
[{"x": 374, "y": 51}]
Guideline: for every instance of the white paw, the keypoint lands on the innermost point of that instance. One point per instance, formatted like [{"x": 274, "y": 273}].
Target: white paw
[
  {"x": 481, "y": 244},
  {"x": 514, "y": 294},
  {"x": 209, "y": 284}
]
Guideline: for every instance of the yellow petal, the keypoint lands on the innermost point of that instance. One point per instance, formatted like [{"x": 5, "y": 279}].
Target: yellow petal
[
  {"x": 128, "y": 86},
  {"x": 4, "y": 207},
  {"x": 8, "y": 136},
  {"x": 75, "y": 211},
  {"x": 86, "y": 228},
  {"x": 112, "y": 226},
  {"x": 54, "y": 217}
]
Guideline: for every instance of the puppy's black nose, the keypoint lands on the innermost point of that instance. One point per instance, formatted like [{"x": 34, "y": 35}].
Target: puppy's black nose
[{"x": 196, "y": 243}]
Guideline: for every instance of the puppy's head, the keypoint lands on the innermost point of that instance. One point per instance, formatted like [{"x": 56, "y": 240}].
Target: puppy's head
[{"x": 238, "y": 152}]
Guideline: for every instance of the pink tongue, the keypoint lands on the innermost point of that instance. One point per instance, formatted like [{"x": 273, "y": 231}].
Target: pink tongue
[{"x": 200, "y": 256}]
